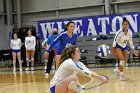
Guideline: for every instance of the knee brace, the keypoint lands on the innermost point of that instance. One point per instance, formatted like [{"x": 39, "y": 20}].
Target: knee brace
[
  {"x": 27, "y": 59},
  {"x": 122, "y": 63}
]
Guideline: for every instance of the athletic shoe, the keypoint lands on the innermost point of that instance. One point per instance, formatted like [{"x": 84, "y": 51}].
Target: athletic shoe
[
  {"x": 116, "y": 65},
  {"x": 46, "y": 75},
  {"x": 122, "y": 78},
  {"x": 32, "y": 68},
  {"x": 27, "y": 69},
  {"x": 14, "y": 70}
]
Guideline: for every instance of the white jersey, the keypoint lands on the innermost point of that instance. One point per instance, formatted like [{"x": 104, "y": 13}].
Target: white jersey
[
  {"x": 30, "y": 43},
  {"x": 66, "y": 69},
  {"x": 15, "y": 44},
  {"x": 121, "y": 39}
]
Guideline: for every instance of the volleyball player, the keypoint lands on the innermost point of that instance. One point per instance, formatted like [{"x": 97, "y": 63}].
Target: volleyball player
[
  {"x": 65, "y": 79},
  {"x": 66, "y": 38},
  {"x": 52, "y": 52},
  {"x": 16, "y": 46},
  {"x": 30, "y": 43},
  {"x": 120, "y": 48}
]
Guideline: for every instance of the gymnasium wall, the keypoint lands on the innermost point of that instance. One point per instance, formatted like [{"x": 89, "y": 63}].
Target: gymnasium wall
[
  {"x": 32, "y": 11},
  {"x": 36, "y": 10},
  {"x": 4, "y": 36}
]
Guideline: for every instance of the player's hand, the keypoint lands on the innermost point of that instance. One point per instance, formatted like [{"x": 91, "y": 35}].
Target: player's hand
[
  {"x": 46, "y": 55},
  {"x": 135, "y": 53},
  {"x": 104, "y": 79}
]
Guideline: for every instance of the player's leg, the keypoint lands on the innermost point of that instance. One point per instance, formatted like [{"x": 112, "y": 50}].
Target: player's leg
[
  {"x": 67, "y": 85},
  {"x": 19, "y": 59},
  {"x": 126, "y": 55},
  {"x": 46, "y": 60},
  {"x": 50, "y": 61},
  {"x": 14, "y": 61},
  {"x": 27, "y": 59},
  {"x": 32, "y": 59},
  {"x": 119, "y": 55},
  {"x": 57, "y": 61}
]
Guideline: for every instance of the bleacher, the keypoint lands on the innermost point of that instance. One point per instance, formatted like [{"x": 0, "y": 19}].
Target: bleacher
[{"x": 91, "y": 43}]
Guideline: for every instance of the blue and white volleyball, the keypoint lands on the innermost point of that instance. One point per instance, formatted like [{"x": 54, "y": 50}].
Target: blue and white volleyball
[{"x": 103, "y": 51}]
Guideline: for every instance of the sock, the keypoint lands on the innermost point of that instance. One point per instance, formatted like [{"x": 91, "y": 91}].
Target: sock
[{"x": 121, "y": 73}]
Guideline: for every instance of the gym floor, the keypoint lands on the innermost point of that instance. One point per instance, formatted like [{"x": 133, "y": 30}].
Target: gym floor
[{"x": 36, "y": 82}]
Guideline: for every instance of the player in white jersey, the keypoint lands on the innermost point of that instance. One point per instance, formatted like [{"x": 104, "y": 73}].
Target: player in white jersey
[
  {"x": 16, "y": 46},
  {"x": 65, "y": 79},
  {"x": 30, "y": 43},
  {"x": 120, "y": 47}
]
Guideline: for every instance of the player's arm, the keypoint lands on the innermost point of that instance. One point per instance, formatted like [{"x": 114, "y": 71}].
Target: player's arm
[
  {"x": 26, "y": 42},
  {"x": 84, "y": 70},
  {"x": 75, "y": 43},
  {"x": 116, "y": 39},
  {"x": 11, "y": 44},
  {"x": 34, "y": 42},
  {"x": 20, "y": 44},
  {"x": 132, "y": 45},
  {"x": 131, "y": 42},
  {"x": 54, "y": 42}
]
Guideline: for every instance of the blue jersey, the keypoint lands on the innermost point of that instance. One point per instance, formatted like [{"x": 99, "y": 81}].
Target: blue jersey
[
  {"x": 50, "y": 40},
  {"x": 65, "y": 41}
]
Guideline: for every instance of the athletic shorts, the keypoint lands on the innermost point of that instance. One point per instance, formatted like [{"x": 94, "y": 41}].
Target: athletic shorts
[
  {"x": 123, "y": 49},
  {"x": 16, "y": 50},
  {"x": 55, "y": 51},
  {"x": 52, "y": 89}
]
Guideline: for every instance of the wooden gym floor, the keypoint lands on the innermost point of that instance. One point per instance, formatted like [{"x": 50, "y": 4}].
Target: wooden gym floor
[{"x": 35, "y": 81}]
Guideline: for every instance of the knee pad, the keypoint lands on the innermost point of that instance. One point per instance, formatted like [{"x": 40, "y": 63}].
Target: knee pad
[
  {"x": 122, "y": 63},
  {"x": 14, "y": 61},
  {"x": 27, "y": 59},
  {"x": 32, "y": 58}
]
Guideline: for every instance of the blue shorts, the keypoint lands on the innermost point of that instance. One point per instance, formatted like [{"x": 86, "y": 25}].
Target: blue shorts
[
  {"x": 58, "y": 52},
  {"x": 123, "y": 49},
  {"x": 52, "y": 89},
  {"x": 16, "y": 50}
]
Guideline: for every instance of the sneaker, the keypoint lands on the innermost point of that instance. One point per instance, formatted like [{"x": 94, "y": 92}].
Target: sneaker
[
  {"x": 20, "y": 70},
  {"x": 32, "y": 68},
  {"x": 75, "y": 86},
  {"x": 14, "y": 70},
  {"x": 27, "y": 69},
  {"x": 46, "y": 75},
  {"x": 116, "y": 65},
  {"x": 122, "y": 78}
]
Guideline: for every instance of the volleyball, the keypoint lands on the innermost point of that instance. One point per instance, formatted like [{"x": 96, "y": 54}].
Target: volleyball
[{"x": 103, "y": 51}]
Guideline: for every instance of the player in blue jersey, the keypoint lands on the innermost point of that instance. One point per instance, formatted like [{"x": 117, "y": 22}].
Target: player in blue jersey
[
  {"x": 52, "y": 52},
  {"x": 66, "y": 38},
  {"x": 120, "y": 47}
]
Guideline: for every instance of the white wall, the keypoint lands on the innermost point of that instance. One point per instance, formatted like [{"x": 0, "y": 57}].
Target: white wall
[
  {"x": 77, "y": 3},
  {"x": 3, "y": 37},
  {"x": 37, "y": 5}
]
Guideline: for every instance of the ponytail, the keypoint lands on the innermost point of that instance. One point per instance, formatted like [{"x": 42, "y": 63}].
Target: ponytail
[
  {"x": 125, "y": 20},
  {"x": 67, "y": 53}
]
